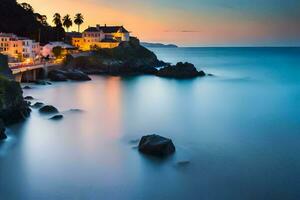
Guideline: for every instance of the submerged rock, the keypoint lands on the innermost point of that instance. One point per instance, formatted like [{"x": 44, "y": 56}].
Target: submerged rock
[
  {"x": 2, "y": 131},
  {"x": 48, "y": 109},
  {"x": 28, "y": 98},
  {"x": 183, "y": 163},
  {"x": 156, "y": 145},
  {"x": 37, "y": 105},
  {"x": 180, "y": 70},
  {"x": 57, "y": 117},
  {"x": 76, "y": 110},
  {"x": 27, "y": 87},
  {"x": 42, "y": 82}
]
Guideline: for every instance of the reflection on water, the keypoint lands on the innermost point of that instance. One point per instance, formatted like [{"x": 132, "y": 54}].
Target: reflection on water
[{"x": 236, "y": 134}]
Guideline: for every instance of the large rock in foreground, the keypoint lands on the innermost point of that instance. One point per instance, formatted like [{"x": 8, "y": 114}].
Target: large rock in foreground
[
  {"x": 13, "y": 107},
  {"x": 180, "y": 70},
  {"x": 2, "y": 131},
  {"x": 156, "y": 145}
]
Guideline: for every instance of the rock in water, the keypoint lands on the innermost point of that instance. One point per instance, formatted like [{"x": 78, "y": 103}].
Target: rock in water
[
  {"x": 28, "y": 98},
  {"x": 77, "y": 75},
  {"x": 48, "y": 109},
  {"x": 37, "y": 105},
  {"x": 180, "y": 70},
  {"x": 2, "y": 131},
  {"x": 156, "y": 145},
  {"x": 27, "y": 87},
  {"x": 57, "y": 117},
  {"x": 13, "y": 107},
  {"x": 57, "y": 75},
  {"x": 41, "y": 82}
]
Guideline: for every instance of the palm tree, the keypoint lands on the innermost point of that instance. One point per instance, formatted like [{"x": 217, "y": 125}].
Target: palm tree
[
  {"x": 78, "y": 20},
  {"x": 67, "y": 22},
  {"x": 57, "y": 20}
]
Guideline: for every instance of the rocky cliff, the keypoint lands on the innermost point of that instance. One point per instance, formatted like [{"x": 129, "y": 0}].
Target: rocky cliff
[
  {"x": 129, "y": 58},
  {"x": 13, "y": 107}
]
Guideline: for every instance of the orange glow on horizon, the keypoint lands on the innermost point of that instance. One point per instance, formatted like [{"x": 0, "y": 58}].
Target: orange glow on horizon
[{"x": 171, "y": 24}]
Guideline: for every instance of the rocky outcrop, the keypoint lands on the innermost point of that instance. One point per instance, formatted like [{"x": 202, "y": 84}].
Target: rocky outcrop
[
  {"x": 156, "y": 145},
  {"x": 76, "y": 75},
  {"x": 180, "y": 70},
  {"x": 130, "y": 58},
  {"x": 48, "y": 109},
  {"x": 64, "y": 75},
  {"x": 57, "y": 76},
  {"x": 13, "y": 107}
]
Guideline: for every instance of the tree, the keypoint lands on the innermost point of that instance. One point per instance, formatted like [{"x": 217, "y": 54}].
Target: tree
[
  {"x": 57, "y": 20},
  {"x": 78, "y": 20},
  {"x": 67, "y": 22},
  {"x": 57, "y": 51},
  {"x": 27, "y": 7},
  {"x": 21, "y": 21},
  {"x": 42, "y": 19}
]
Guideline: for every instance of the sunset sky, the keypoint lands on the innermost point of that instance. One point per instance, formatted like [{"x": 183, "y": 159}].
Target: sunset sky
[{"x": 190, "y": 22}]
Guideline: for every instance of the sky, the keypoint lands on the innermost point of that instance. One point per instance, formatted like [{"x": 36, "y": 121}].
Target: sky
[{"x": 190, "y": 22}]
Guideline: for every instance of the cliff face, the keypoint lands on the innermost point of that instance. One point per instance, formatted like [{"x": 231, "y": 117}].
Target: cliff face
[
  {"x": 13, "y": 108},
  {"x": 129, "y": 57}
]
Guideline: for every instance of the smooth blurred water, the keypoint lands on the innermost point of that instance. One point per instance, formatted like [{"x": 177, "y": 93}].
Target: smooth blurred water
[{"x": 240, "y": 130}]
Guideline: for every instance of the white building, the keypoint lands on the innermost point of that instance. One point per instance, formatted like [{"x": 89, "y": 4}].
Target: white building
[
  {"x": 31, "y": 49},
  {"x": 102, "y": 37},
  {"x": 47, "y": 49}
]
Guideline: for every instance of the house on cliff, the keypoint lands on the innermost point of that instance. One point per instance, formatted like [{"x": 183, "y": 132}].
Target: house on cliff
[{"x": 101, "y": 37}]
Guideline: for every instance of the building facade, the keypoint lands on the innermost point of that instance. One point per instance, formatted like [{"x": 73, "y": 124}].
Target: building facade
[
  {"x": 101, "y": 37},
  {"x": 18, "y": 48}
]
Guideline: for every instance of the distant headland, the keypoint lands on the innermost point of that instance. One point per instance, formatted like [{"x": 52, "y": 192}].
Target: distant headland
[{"x": 158, "y": 45}]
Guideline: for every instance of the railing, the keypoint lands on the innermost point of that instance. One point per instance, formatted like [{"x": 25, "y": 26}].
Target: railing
[{"x": 22, "y": 65}]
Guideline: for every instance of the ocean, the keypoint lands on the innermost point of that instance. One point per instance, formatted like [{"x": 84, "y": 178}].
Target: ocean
[{"x": 238, "y": 133}]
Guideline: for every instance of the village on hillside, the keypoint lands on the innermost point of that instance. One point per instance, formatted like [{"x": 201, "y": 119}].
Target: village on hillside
[{"x": 23, "y": 51}]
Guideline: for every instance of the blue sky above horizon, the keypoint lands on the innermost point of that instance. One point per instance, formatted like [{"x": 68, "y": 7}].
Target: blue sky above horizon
[{"x": 191, "y": 22}]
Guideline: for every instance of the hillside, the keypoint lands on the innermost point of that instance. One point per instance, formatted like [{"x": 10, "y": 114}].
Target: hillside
[
  {"x": 23, "y": 21},
  {"x": 129, "y": 57}
]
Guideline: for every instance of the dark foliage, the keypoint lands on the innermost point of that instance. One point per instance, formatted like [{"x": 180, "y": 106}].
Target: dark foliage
[{"x": 21, "y": 20}]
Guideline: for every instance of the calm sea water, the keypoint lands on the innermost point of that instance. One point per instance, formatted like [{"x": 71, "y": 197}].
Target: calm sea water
[{"x": 240, "y": 131}]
